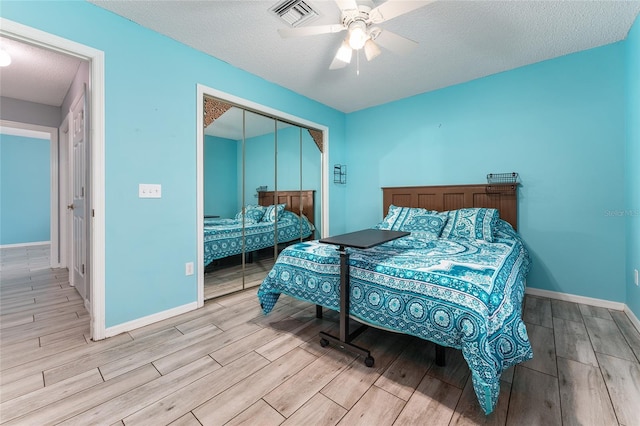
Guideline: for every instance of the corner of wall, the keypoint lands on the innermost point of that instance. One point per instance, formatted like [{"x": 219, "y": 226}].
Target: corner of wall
[{"x": 632, "y": 169}]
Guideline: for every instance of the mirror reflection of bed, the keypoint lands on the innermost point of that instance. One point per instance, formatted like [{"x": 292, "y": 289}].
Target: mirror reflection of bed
[
  {"x": 253, "y": 160},
  {"x": 240, "y": 251}
]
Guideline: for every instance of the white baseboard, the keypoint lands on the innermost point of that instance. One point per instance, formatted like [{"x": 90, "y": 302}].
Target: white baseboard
[
  {"x": 141, "y": 322},
  {"x": 616, "y": 306},
  {"x": 632, "y": 317},
  {"x": 37, "y": 243}
]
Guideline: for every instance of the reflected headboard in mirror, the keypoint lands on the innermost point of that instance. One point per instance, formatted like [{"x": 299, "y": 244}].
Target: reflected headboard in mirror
[
  {"x": 453, "y": 197},
  {"x": 296, "y": 201}
]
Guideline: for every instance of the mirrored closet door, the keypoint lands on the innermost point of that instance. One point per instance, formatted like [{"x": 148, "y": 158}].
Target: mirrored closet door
[{"x": 262, "y": 192}]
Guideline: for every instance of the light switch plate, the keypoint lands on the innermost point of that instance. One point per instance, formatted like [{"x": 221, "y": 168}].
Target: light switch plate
[{"x": 150, "y": 190}]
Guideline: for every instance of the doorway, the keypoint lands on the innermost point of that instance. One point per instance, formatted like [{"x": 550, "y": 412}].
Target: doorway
[
  {"x": 34, "y": 164},
  {"x": 94, "y": 239}
]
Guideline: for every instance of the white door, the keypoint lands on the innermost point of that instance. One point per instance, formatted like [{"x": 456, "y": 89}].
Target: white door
[
  {"x": 79, "y": 267},
  {"x": 65, "y": 192}
]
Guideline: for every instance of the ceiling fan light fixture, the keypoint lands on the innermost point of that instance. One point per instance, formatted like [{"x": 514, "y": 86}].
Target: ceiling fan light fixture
[
  {"x": 371, "y": 50},
  {"x": 358, "y": 35},
  {"x": 344, "y": 53}
]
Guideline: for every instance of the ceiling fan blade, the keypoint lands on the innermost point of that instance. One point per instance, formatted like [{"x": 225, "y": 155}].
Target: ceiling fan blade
[
  {"x": 395, "y": 43},
  {"x": 394, "y": 8},
  {"x": 347, "y": 4},
  {"x": 309, "y": 31}
]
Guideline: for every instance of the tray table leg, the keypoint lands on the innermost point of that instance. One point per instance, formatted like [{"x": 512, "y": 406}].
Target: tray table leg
[{"x": 344, "y": 341}]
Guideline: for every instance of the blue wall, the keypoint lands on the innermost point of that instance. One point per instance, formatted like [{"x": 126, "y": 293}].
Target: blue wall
[
  {"x": 559, "y": 123},
  {"x": 632, "y": 165},
  {"x": 150, "y": 132},
  {"x": 220, "y": 177},
  {"x": 25, "y": 189}
]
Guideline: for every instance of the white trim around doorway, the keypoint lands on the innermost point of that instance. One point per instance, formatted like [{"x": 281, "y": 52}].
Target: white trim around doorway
[{"x": 96, "y": 63}]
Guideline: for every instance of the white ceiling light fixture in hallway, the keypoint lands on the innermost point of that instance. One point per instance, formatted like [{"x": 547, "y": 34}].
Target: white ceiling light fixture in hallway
[{"x": 5, "y": 58}]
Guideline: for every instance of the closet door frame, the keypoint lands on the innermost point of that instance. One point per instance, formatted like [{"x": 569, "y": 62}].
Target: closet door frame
[{"x": 203, "y": 91}]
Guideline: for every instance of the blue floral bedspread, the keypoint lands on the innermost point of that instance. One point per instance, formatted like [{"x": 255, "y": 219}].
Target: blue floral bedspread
[
  {"x": 223, "y": 237},
  {"x": 465, "y": 294}
]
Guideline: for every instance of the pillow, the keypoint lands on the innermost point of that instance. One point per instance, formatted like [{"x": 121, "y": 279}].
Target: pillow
[
  {"x": 428, "y": 225},
  {"x": 471, "y": 224},
  {"x": 394, "y": 214},
  {"x": 420, "y": 222},
  {"x": 272, "y": 211},
  {"x": 252, "y": 214}
]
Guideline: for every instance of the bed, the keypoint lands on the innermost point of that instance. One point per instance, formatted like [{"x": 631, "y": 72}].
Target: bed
[
  {"x": 243, "y": 234},
  {"x": 458, "y": 284}
]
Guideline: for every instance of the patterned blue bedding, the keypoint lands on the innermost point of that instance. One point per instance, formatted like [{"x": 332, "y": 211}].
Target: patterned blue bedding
[
  {"x": 223, "y": 237},
  {"x": 465, "y": 294}
]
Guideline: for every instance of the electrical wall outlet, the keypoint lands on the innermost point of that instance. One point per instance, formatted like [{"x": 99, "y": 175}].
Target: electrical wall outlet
[
  {"x": 188, "y": 268},
  {"x": 635, "y": 276}
]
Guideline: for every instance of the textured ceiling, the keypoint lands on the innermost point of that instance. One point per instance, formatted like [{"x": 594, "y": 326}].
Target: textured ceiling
[
  {"x": 35, "y": 74},
  {"x": 458, "y": 41}
]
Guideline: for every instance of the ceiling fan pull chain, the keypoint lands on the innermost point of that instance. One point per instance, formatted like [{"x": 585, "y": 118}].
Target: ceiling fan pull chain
[{"x": 357, "y": 62}]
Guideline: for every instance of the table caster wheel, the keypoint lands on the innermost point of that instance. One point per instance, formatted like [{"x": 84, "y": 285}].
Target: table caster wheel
[
  {"x": 368, "y": 361},
  {"x": 324, "y": 343}
]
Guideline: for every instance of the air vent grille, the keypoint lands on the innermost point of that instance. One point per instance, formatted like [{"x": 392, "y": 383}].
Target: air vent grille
[{"x": 294, "y": 12}]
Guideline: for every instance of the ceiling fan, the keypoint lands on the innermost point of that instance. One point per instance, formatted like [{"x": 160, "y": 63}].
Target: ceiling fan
[{"x": 361, "y": 20}]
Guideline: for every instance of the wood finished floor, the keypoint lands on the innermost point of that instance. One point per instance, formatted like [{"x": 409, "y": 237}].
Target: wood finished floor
[{"x": 229, "y": 364}]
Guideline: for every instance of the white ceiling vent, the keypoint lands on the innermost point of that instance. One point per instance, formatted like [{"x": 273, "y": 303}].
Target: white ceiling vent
[{"x": 294, "y": 12}]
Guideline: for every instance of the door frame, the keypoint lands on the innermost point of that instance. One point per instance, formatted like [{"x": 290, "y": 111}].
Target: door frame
[
  {"x": 97, "y": 162},
  {"x": 203, "y": 90}
]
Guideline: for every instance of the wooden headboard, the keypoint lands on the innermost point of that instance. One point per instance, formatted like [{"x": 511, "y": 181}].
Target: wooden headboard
[
  {"x": 452, "y": 197},
  {"x": 296, "y": 201}
]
